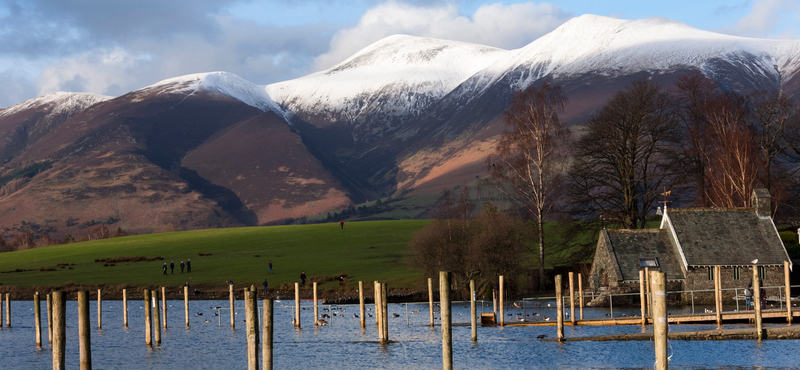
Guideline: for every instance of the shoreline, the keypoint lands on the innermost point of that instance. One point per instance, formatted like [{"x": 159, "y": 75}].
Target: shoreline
[{"x": 789, "y": 332}]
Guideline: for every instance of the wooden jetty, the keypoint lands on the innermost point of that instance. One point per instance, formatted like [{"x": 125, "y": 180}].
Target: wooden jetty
[{"x": 699, "y": 318}]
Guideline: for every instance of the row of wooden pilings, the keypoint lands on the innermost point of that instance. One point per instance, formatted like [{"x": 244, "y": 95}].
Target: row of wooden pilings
[
  {"x": 156, "y": 317},
  {"x": 155, "y": 310}
]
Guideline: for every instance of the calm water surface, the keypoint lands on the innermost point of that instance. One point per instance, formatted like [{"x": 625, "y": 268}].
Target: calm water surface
[{"x": 344, "y": 345}]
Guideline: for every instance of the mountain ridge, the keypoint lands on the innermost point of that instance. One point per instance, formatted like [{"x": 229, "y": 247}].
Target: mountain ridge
[{"x": 405, "y": 114}]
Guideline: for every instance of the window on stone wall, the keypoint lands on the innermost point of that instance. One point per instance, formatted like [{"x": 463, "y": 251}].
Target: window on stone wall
[
  {"x": 710, "y": 273},
  {"x": 762, "y": 273},
  {"x": 737, "y": 272}
]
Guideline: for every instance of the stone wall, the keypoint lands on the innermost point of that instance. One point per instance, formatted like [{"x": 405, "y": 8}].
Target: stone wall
[{"x": 697, "y": 279}]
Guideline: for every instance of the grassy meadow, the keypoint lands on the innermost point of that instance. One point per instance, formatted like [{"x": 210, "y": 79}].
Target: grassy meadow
[{"x": 371, "y": 250}]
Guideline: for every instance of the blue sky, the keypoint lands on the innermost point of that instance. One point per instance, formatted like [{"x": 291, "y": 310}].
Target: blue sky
[{"x": 111, "y": 47}]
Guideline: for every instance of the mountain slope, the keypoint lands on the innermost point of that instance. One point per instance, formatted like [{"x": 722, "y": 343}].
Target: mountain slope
[
  {"x": 24, "y": 124},
  {"x": 141, "y": 161}
]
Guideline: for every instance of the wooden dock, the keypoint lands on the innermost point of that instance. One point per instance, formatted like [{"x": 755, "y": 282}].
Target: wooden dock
[{"x": 704, "y": 318}]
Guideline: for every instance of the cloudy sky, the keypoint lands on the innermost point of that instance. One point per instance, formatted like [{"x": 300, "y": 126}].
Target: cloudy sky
[{"x": 111, "y": 47}]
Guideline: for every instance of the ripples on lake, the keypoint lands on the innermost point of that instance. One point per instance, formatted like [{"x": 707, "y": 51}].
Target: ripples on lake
[{"x": 344, "y": 345}]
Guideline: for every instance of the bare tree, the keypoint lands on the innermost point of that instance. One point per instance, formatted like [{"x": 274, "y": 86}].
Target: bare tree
[
  {"x": 531, "y": 157},
  {"x": 472, "y": 248},
  {"x": 732, "y": 156},
  {"x": 776, "y": 119},
  {"x": 692, "y": 92},
  {"x": 627, "y": 157}
]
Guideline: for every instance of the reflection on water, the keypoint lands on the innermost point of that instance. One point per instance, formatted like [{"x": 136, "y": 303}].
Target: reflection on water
[{"x": 344, "y": 345}]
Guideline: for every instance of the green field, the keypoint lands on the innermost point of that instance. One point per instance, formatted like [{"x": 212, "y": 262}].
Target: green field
[{"x": 373, "y": 250}]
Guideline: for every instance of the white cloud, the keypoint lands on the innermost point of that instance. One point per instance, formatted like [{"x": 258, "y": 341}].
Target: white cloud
[
  {"x": 16, "y": 87},
  {"x": 91, "y": 71},
  {"x": 503, "y": 26},
  {"x": 765, "y": 17}
]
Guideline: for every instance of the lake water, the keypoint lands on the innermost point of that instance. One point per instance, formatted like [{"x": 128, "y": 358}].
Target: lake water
[{"x": 344, "y": 345}]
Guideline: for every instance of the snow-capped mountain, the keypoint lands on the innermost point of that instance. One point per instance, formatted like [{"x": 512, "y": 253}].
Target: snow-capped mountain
[
  {"x": 405, "y": 113},
  {"x": 614, "y": 47},
  {"x": 385, "y": 84},
  {"x": 56, "y": 103},
  {"x": 25, "y": 123},
  {"x": 223, "y": 83}
]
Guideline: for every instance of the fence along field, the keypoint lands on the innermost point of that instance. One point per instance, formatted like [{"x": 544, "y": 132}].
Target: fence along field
[{"x": 371, "y": 250}]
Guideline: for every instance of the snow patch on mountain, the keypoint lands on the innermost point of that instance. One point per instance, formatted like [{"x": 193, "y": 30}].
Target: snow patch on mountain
[
  {"x": 609, "y": 46},
  {"x": 60, "y": 102},
  {"x": 222, "y": 83},
  {"x": 395, "y": 77}
]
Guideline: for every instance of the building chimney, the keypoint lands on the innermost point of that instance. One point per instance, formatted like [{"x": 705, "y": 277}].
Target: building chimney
[{"x": 761, "y": 201}]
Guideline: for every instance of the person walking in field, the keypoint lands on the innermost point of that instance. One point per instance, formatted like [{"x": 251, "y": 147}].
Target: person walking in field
[
  {"x": 165, "y": 268},
  {"x": 188, "y": 265},
  {"x": 341, "y": 224},
  {"x": 270, "y": 267},
  {"x": 182, "y": 265},
  {"x": 172, "y": 267},
  {"x": 265, "y": 287},
  {"x": 302, "y": 278}
]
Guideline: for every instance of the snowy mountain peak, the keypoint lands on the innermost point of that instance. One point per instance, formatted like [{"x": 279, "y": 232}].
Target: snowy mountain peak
[
  {"x": 61, "y": 102},
  {"x": 393, "y": 79},
  {"x": 607, "y": 46},
  {"x": 223, "y": 83},
  {"x": 403, "y": 50}
]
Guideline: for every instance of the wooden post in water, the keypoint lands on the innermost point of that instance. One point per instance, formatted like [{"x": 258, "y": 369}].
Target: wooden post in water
[
  {"x": 447, "y": 328},
  {"x": 718, "y": 294},
  {"x": 37, "y": 316},
  {"x": 385, "y": 311},
  {"x": 267, "y": 345},
  {"x": 251, "y": 315},
  {"x": 316, "y": 307},
  {"x": 660, "y": 327},
  {"x": 361, "y": 304},
  {"x": 430, "y": 298},
  {"x": 164, "y": 306},
  {"x": 84, "y": 333},
  {"x": 50, "y": 318},
  {"x": 8, "y": 310},
  {"x": 148, "y": 319},
  {"x": 757, "y": 302},
  {"x": 572, "y": 298},
  {"x": 99, "y": 309},
  {"x": 559, "y": 310},
  {"x": 186, "y": 304},
  {"x": 59, "y": 329},
  {"x": 642, "y": 299},
  {"x": 297, "y": 304},
  {"x": 376, "y": 299},
  {"x": 473, "y": 311},
  {"x": 649, "y": 299},
  {"x": 580, "y": 293},
  {"x": 502, "y": 306},
  {"x": 125, "y": 307},
  {"x": 233, "y": 309},
  {"x": 788, "y": 287},
  {"x": 494, "y": 302},
  {"x": 379, "y": 310},
  {"x": 156, "y": 317}
]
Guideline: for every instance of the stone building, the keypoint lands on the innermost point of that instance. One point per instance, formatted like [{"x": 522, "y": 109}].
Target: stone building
[{"x": 687, "y": 246}]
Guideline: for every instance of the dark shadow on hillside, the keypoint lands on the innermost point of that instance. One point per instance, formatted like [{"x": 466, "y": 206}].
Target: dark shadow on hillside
[{"x": 225, "y": 197}]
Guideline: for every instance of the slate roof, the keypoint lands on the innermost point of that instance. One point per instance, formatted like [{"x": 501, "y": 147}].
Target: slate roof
[
  {"x": 630, "y": 245},
  {"x": 726, "y": 237}
]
